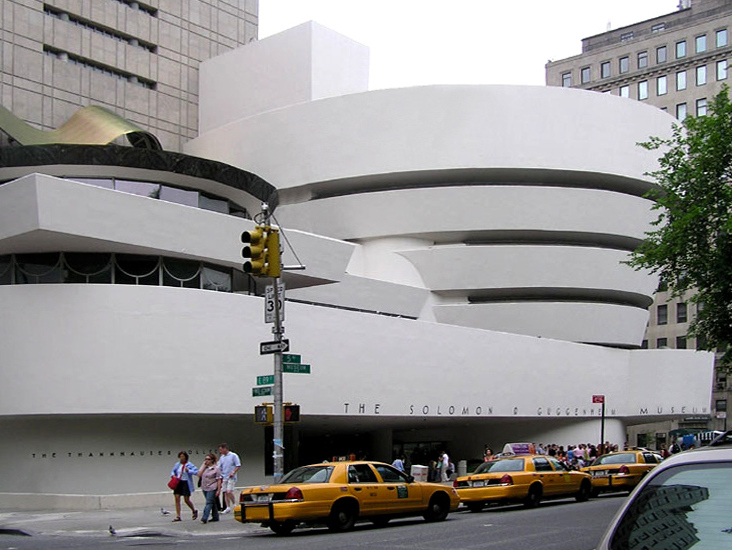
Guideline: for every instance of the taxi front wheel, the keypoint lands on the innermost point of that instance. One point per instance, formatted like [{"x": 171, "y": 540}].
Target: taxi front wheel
[
  {"x": 438, "y": 508},
  {"x": 584, "y": 492}
]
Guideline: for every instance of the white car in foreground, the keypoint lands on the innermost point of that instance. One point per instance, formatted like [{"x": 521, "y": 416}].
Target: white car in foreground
[{"x": 684, "y": 503}]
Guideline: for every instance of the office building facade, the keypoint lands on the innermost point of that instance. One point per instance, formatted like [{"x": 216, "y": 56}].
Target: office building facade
[{"x": 139, "y": 59}]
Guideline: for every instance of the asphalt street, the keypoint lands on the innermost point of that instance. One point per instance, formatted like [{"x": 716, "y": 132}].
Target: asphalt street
[{"x": 559, "y": 525}]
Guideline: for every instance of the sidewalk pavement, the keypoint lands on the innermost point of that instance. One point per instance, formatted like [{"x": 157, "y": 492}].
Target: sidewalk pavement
[{"x": 151, "y": 522}]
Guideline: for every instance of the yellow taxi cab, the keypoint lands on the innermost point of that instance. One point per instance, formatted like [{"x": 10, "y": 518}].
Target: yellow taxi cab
[
  {"x": 622, "y": 470},
  {"x": 522, "y": 478},
  {"x": 340, "y": 493}
]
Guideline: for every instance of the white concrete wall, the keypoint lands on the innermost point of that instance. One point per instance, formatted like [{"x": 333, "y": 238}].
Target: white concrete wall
[
  {"x": 139, "y": 350},
  {"x": 147, "y": 371},
  {"x": 573, "y": 321},
  {"x": 41, "y": 213},
  {"x": 436, "y": 128},
  {"x": 457, "y": 212},
  {"x": 305, "y": 63},
  {"x": 548, "y": 181}
]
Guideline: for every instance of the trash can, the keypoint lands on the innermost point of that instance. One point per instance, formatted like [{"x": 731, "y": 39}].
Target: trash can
[{"x": 419, "y": 472}]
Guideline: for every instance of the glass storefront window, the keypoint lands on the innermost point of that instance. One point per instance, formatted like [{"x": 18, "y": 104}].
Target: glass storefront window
[
  {"x": 215, "y": 205},
  {"x": 126, "y": 269},
  {"x": 88, "y": 267},
  {"x": 6, "y": 263},
  {"x": 179, "y": 196},
  {"x": 39, "y": 268},
  {"x": 137, "y": 270},
  {"x": 181, "y": 273},
  {"x": 216, "y": 279},
  {"x": 142, "y": 188}
]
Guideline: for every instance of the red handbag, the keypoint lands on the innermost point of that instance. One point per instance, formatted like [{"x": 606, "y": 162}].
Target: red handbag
[{"x": 174, "y": 480}]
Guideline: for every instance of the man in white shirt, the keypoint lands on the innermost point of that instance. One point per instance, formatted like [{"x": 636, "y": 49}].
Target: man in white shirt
[
  {"x": 444, "y": 467},
  {"x": 229, "y": 465}
]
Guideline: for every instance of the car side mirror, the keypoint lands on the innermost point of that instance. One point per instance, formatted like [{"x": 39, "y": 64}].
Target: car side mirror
[{"x": 410, "y": 479}]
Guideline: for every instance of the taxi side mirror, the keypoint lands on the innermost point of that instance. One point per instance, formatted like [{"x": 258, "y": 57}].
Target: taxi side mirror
[{"x": 410, "y": 479}]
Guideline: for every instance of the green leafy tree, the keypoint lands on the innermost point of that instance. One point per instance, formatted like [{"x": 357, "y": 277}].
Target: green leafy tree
[{"x": 690, "y": 247}]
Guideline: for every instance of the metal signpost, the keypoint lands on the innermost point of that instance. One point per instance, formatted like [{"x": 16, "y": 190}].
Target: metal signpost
[
  {"x": 601, "y": 399},
  {"x": 265, "y": 260}
]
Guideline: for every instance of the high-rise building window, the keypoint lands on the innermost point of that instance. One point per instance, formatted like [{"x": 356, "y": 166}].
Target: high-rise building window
[
  {"x": 722, "y": 69},
  {"x": 681, "y": 342},
  {"x": 680, "y": 49},
  {"x": 642, "y": 60},
  {"x": 720, "y": 405},
  {"x": 721, "y": 38},
  {"x": 701, "y": 341},
  {"x": 626, "y": 36},
  {"x": 566, "y": 80},
  {"x": 661, "y": 85},
  {"x": 681, "y": 312},
  {"x": 643, "y": 89},
  {"x": 701, "y": 107},
  {"x": 662, "y": 314},
  {"x": 624, "y": 91},
  {"x": 605, "y": 69},
  {"x": 644, "y": 344},
  {"x": 585, "y": 75},
  {"x": 681, "y": 111},
  {"x": 661, "y": 343},
  {"x": 700, "y": 43},
  {"x": 658, "y": 27},
  {"x": 701, "y": 75},
  {"x": 624, "y": 64},
  {"x": 661, "y": 54},
  {"x": 681, "y": 80}
]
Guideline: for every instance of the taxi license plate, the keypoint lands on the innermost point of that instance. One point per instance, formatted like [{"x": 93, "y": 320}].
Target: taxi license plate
[
  {"x": 479, "y": 483},
  {"x": 262, "y": 498},
  {"x": 600, "y": 473}
]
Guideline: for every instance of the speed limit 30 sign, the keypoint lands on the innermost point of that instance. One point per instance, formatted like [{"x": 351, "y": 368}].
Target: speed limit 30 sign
[{"x": 269, "y": 303}]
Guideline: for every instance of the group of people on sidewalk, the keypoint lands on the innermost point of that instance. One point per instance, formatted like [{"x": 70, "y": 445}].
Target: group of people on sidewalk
[{"x": 215, "y": 476}]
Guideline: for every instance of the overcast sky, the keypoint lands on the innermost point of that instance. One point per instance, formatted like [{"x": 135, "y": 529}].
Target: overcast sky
[{"x": 416, "y": 42}]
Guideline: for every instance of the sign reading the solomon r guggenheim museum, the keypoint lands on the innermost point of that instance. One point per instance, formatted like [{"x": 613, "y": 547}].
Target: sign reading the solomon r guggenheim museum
[{"x": 489, "y": 410}]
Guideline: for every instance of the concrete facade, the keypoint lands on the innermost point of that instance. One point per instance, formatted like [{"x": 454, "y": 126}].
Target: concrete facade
[{"x": 423, "y": 311}]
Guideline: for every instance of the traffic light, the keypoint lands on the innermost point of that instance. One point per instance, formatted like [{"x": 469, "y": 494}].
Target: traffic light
[
  {"x": 263, "y": 251},
  {"x": 292, "y": 413},
  {"x": 254, "y": 251},
  {"x": 273, "y": 268},
  {"x": 263, "y": 414}
]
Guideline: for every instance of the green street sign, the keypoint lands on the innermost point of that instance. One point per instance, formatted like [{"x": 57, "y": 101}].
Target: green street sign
[
  {"x": 265, "y": 390},
  {"x": 296, "y": 368},
  {"x": 291, "y": 358},
  {"x": 265, "y": 380}
]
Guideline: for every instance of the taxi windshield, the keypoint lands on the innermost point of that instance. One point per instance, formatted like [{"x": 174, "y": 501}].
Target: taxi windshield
[
  {"x": 622, "y": 458},
  {"x": 507, "y": 465},
  {"x": 308, "y": 474}
]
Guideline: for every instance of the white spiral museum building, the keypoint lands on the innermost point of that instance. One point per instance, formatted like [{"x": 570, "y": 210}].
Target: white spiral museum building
[{"x": 464, "y": 282}]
